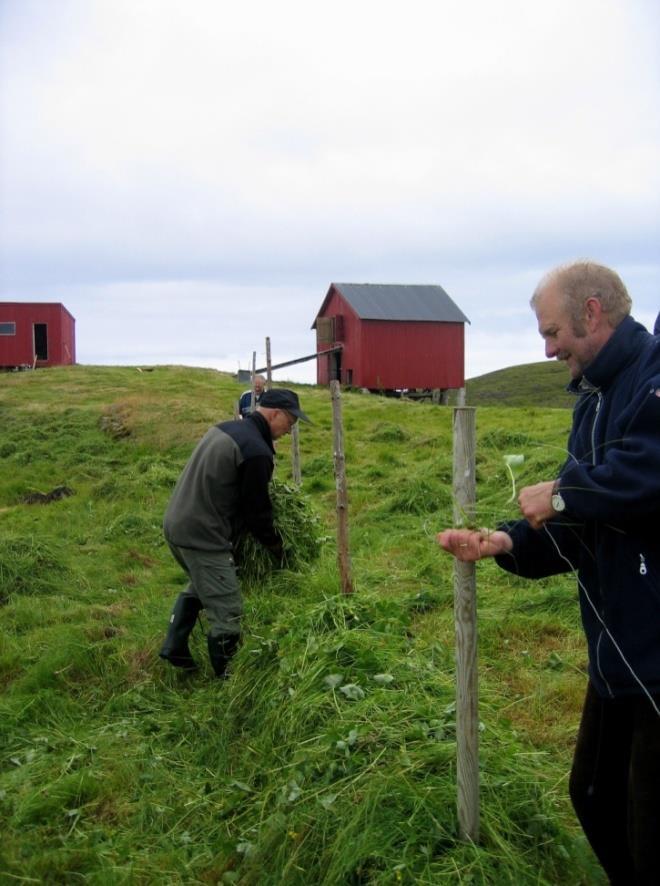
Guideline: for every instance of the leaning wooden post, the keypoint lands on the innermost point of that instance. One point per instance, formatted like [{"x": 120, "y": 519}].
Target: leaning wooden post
[
  {"x": 465, "y": 615},
  {"x": 269, "y": 367},
  {"x": 343, "y": 555}
]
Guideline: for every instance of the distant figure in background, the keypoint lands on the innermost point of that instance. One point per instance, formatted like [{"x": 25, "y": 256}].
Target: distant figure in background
[
  {"x": 245, "y": 403},
  {"x": 656, "y": 328},
  {"x": 599, "y": 519},
  {"x": 222, "y": 492}
]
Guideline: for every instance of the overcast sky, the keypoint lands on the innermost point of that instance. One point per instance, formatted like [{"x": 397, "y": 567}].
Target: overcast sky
[{"x": 189, "y": 176}]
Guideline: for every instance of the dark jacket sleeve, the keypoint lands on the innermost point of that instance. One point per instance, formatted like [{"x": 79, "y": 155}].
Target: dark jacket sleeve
[
  {"x": 244, "y": 403},
  {"x": 626, "y": 484},
  {"x": 543, "y": 552},
  {"x": 256, "y": 507}
]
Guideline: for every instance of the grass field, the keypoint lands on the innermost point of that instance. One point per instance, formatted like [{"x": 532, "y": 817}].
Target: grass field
[
  {"x": 543, "y": 384},
  {"x": 329, "y": 756}
]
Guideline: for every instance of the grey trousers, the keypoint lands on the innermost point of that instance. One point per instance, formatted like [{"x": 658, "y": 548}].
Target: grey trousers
[{"x": 213, "y": 581}]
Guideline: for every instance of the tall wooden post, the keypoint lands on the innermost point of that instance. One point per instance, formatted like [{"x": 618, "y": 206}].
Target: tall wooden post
[
  {"x": 295, "y": 455},
  {"x": 253, "y": 397},
  {"x": 269, "y": 366},
  {"x": 343, "y": 555},
  {"x": 465, "y": 615}
]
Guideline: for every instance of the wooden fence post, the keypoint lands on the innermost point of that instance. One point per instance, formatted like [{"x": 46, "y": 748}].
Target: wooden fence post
[
  {"x": 295, "y": 455},
  {"x": 253, "y": 396},
  {"x": 269, "y": 368},
  {"x": 465, "y": 615},
  {"x": 343, "y": 555}
]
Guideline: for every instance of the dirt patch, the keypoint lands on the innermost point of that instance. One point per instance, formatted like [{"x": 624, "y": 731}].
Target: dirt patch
[
  {"x": 139, "y": 557},
  {"x": 44, "y": 498}
]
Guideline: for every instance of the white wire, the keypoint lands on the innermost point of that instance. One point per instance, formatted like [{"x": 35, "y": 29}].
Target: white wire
[{"x": 606, "y": 629}]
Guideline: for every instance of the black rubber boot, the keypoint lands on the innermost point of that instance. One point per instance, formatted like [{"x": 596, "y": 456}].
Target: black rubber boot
[
  {"x": 221, "y": 649},
  {"x": 182, "y": 621}
]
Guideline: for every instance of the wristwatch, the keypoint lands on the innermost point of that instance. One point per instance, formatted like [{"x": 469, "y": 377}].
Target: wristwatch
[{"x": 557, "y": 500}]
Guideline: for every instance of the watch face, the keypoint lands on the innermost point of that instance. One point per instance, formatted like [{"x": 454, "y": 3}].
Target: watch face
[{"x": 558, "y": 502}]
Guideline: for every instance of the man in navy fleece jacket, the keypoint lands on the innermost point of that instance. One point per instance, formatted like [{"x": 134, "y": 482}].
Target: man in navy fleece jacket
[{"x": 600, "y": 518}]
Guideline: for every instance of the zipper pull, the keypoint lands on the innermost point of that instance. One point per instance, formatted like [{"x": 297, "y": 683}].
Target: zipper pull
[{"x": 642, "y": 565}]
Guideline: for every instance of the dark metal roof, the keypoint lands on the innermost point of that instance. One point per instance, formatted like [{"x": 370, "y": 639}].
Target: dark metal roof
[{"x": 388, "y": 301}]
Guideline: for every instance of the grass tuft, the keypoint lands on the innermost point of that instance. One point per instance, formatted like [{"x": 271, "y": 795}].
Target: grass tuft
[{"x": 29, "y": 566}]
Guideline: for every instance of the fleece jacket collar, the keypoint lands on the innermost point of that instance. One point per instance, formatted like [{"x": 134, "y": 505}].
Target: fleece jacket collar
[
  {"x": 263, "y": 427},
  {"x": 618, "y": 351}
]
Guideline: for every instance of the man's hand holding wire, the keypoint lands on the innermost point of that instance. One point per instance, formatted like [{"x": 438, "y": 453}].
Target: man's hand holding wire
[
  {"x": 536, "y": 503},
  {"x": 471, "y": 544}
]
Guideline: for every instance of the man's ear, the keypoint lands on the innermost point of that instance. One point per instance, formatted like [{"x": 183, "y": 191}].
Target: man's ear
[{"x": 593, "y": 314}]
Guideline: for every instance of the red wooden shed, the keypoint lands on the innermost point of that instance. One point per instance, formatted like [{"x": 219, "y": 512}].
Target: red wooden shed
[
  {"x": 392, "y": 337},
  {"x": 36, "y": 334}
]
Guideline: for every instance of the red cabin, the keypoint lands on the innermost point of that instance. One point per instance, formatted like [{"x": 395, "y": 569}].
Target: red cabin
[
  {"x": 36, "y": 334},
  {"x": 391, "y": 337}
]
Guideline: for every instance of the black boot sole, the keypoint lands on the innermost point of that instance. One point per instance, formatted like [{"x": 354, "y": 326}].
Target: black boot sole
[{"x": 180, "y": 661}]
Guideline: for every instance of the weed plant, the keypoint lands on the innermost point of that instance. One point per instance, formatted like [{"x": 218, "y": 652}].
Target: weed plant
[{"x": 329, "y": 755}]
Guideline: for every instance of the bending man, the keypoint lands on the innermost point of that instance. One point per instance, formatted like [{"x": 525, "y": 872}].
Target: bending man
[{"x": 223, "y": 491}]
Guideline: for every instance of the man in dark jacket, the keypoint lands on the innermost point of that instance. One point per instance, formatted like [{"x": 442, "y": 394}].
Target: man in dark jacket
[
  {"x": 600, "y": 518},
  {"x": 222, "y": 492},
  {"x": 245, "y": 400}
]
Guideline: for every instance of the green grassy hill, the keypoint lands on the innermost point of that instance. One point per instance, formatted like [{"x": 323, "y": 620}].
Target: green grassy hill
[
  {"x": 534, "y": 384},
  {"x": 329, "y": 756}
]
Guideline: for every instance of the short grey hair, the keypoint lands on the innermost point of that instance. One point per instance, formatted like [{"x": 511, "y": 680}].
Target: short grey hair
[{"x": 581, "y": 280}]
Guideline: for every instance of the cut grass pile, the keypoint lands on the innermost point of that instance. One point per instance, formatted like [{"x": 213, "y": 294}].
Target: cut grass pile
[
  {"x": 299, "y": 528},
  {"x": 329, "y": 756}
]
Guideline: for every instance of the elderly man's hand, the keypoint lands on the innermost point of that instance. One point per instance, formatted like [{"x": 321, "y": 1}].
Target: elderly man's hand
[
  {"x": 536, "y": 503},
  {"x": 470, "y": 544}
]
